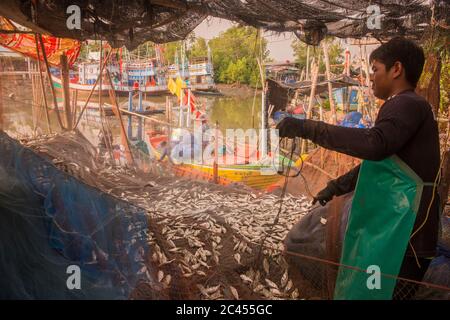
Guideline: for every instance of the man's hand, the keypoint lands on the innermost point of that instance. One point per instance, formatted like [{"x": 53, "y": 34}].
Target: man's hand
[
  {"x": 290, "y": 127},
  {"x": 323, "y": 197}
]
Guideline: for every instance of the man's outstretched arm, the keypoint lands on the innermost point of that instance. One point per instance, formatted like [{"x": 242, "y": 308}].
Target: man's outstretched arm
[{"x": 398, "y": 121}]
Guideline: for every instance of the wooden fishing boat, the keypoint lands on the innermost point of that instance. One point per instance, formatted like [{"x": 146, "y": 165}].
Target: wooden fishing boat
[
  {"x": 253, "y": 175},
  {"x": 83, "y": 89}
]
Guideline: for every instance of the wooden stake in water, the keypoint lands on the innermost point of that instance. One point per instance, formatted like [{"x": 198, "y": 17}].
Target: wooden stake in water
[
  {"x": 116, "y": 110},
  {"x": 41, "y": 78},
  {"x": 216, "y": 154},
  {"x": 66, "y": 90},
  {"x": 1, "y": 101},
  {"x": 188, "y": 115},
  {"x": 55, "y": 103}
]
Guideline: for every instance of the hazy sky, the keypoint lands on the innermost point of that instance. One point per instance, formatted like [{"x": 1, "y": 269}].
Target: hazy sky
[{"x": 279, "y": 45}]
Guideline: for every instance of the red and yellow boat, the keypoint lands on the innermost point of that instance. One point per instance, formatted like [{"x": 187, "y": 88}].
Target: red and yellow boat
[{"x": 253, "y": 175}]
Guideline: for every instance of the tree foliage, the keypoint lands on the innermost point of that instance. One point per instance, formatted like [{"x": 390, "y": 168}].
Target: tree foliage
[{"x": 234, "y": 53}]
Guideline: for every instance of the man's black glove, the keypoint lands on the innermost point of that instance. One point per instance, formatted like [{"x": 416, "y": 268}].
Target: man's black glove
[
  {"x": 290, "y": 127},
  {"x": 323, "y": 196}
]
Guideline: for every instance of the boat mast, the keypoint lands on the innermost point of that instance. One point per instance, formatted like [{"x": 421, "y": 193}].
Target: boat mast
[
  {"x": 182, "y": 60},
  {"x": 210, "y": 62}
]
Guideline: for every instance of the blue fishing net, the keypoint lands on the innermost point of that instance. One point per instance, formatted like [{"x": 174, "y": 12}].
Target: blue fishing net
[{"x": 49, "y": 221}]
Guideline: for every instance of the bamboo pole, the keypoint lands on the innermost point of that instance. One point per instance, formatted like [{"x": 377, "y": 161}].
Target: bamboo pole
[
  {"x": 37, "y": 98},
  {"x": 44, "y": 57},
  {"x": 216, "y": 154},
  {"x": 92, "y": 90},
  {"x": 330, "y": 87},
  {"x": 321, "y": 119},
  {"x": 314, "y": 74},
  {"x": 105, "y": 125},
  {"x": 148, "y": 118},
  {"x": 66, "y": 90},
  {"x": 116, "y": 110},
  {"x": 2, "y": 31},
  {"x": 33, "y": 92},
  {"x": 307, "y": 63},
  {"x": 74, "y": 104},
  {"x": 47, "y": 116},
  {"x": 1, "y": 101}
]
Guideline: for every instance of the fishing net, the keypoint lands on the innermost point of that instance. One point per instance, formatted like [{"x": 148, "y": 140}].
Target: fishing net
[
  {"x": 50, "y": 221},
  {"x": 139, "y": 235},
  {"x": 132, "y": 22}
]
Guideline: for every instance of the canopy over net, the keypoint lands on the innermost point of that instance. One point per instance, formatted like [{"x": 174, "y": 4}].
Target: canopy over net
[
  {"x": 26, "y": 45},
  {"x": 132, "y": 22}
]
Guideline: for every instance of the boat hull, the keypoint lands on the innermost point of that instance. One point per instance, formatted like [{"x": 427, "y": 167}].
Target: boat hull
[
  {"x": 83, "y": 90},
  {"x": 250, "y": 175}
]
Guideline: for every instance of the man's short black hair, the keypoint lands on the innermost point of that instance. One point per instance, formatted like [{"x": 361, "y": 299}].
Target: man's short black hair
[{"x": 407, "y": 52}]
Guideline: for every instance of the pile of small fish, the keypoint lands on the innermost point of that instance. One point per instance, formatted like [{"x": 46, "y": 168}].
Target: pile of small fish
[
  {"x": 207, "y": 226},
  {"x": 208, "y": 234}
]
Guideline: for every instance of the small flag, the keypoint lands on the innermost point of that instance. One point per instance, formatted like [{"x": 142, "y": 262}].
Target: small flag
[{"x": 172, "y": 86}]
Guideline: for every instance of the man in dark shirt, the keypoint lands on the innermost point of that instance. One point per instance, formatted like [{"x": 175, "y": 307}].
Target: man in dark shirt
[{"x": 405, "y": 127}]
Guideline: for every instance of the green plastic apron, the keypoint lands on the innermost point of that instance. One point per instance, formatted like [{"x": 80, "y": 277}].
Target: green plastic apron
[{"x": 384, "y": 208}]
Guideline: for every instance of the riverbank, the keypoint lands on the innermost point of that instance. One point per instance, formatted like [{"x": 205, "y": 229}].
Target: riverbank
[{"x": 234, "y": 90}]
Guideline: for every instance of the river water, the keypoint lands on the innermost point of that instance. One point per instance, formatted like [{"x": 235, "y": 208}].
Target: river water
[{"x": 231, "y": 112}]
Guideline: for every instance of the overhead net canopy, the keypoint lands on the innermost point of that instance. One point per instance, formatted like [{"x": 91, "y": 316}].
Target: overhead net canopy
[{"x": 132, "y": 22}]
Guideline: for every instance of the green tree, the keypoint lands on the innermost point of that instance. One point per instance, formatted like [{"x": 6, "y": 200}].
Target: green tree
[
  {"x": 169, "y": 51},
  {"x": 335, "y": 53},
  {"x": 171, "y": 48},
  {"x": 88, "y": 46},
  {"x": 234, "y": 53},
  {"x": 199, "y": 48}
]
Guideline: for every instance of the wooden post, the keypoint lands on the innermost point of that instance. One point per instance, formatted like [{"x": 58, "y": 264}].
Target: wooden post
[
  {"x": 100, "y": 68},
  {"x": 116, "y": 110},
  {"x": 33, "y": 104},
  {"x": 253, "y": 108},
  {"x": 104, "y": 122},
  {"x": 307, "y": 63},
  {"x": 29, "y": 67},
  {"x": 371, "y": 96},
  {"x": 314, "y": 74},
  {"x": 44, "y": 97},
  {"x": 1, "y": 101},
  {"x": 188, "y": 115},
  {"x": 66, "y": 90},
  {"x": 321, "y": 119},
  {"x": 55, "y": 103},
  {"x": 169, "y": 133},
  {"x": 180, "y": 120},
  {"x": 330, "y": 87},
  {"x": 74, "y": 104},
  {"x": 216, "y": 154},
  {"x": 168, "y": 114}
]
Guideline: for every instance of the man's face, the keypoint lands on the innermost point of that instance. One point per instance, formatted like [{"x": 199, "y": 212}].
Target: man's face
[{"x": 381, "y": 80}]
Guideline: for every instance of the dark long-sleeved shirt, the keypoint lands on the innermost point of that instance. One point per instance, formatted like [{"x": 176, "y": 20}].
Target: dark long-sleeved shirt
[{"x": 405, "y": 126}]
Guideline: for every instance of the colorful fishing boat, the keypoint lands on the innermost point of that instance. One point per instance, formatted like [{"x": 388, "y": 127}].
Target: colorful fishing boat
[
  {"x": 197, "y": 72},
  {"x": 145, "y": 76},
  {"x": 257, "y": 176}
]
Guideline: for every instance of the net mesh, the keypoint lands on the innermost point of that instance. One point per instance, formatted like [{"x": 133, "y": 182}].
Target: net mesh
[
  {"x": 142, "y": 232},
  {"x": 132, "y": 22},
  {"x": 144, "y": 236}
]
